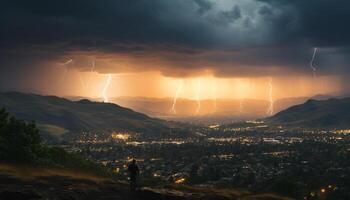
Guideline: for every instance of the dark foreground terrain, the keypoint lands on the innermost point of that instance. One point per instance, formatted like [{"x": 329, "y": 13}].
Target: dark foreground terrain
[{"x": 25, "y": 183}]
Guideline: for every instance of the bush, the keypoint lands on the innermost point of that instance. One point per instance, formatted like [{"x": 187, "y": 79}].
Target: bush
[{"x": 20, "y": 143}]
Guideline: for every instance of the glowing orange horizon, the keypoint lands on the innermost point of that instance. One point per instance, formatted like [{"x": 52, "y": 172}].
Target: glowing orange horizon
[{"x": 156, "y": 85}]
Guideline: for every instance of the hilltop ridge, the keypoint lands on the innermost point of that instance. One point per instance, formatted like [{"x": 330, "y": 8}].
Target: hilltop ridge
[
  {"x": 61, "y": 115},
  {"x": 330, "y": 113}
]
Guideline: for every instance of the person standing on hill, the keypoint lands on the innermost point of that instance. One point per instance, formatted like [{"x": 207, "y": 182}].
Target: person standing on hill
[{"x": 134, "y": 172}]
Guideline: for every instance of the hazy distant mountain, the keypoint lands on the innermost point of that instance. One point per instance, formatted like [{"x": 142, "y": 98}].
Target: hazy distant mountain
[
  {"x": 223, "y": 110},
  {"x": 331, "y": 113},
  {"x": 188, "y": 107},
  {"x": 65, "y": 116}
]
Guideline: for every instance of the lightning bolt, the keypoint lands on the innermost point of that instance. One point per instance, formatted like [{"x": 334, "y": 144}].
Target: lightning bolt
[
  {"x": 92, "y": 69},
  {"x": 105, "y": 88},
  {"x": 179, "y": 88},
  {"x": 241, "y": 102},
  {"x": 198, "y": 96},
  {"x": 215, "y": 96},
  {"x": 93, "y": 66},
  {"x": 270, "y": 108},
  {"x": 64, "y": 75},
  {"x": 82, "y": 83},
  {"x": 66, "y": 69},
  {"x": 312, "y": 66},
  {"x": 67, "y": 62},
  {"x": 241, "y": 105}
]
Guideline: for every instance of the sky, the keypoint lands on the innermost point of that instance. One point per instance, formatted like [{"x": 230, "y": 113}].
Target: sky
[{"x": 215, "y": 48}]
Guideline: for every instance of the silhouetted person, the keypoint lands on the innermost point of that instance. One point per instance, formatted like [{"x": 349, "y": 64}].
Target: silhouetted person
[{"x": 133, "y": 174}]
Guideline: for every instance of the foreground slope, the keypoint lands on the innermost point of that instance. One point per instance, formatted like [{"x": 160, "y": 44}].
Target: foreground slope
[
  {"x": 64, "y": 116},
  {"x": 331, "y": 113},
  {"x": 18, "y": 182}
]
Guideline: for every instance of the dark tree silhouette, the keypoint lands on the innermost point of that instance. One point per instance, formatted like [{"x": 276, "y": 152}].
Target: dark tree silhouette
[{"x": 19, "y": 141}]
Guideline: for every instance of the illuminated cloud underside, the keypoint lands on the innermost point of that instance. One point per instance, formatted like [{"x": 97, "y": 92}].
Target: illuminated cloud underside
[{"x": 232, "y": 40}]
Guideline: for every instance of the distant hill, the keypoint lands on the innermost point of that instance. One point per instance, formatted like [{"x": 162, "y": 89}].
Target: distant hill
[
  {"x": 331, "y": 113},
  {"x": 219, "y": 111},
  {"x": 55, "y": 114},
  {"x": 211, "y": 111}
]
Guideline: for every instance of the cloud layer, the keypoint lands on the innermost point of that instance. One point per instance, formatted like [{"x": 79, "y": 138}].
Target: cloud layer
[{"x": 178, "y": 38}]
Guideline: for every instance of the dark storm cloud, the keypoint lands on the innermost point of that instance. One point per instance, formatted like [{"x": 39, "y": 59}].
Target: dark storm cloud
[
  {"x": 243, "y": 37},
  {"x": 233, "y": 14},
  {"x": 203, "y": 5},
  {"x": 322, "y": 22},
  {"x": 225, "y": 17},
  {"x": 135, "y": 21}
]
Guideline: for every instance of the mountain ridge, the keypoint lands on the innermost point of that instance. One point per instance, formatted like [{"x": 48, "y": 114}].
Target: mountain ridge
[
  {"x": 330, "y": 113},
  {"x": 82, "y": 115}
]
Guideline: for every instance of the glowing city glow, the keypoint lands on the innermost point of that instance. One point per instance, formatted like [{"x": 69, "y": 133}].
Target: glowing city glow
[
  {"x": 180, "y": 181},
  {"x": 179, "y": 88},
  {"x": 120, "y": 136},
  {"x": 271, "y": 102},
  {"x": 105, "y": 88}
]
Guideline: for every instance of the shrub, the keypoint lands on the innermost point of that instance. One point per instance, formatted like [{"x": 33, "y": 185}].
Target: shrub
[{"x": 20, "y": 143}]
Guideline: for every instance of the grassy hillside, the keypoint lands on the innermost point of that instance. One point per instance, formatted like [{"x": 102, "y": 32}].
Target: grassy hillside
[
  {"x": 331, "y": 113},
  {"x": 18, "y": 182},
  {"x": 60, "y": 116}
]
